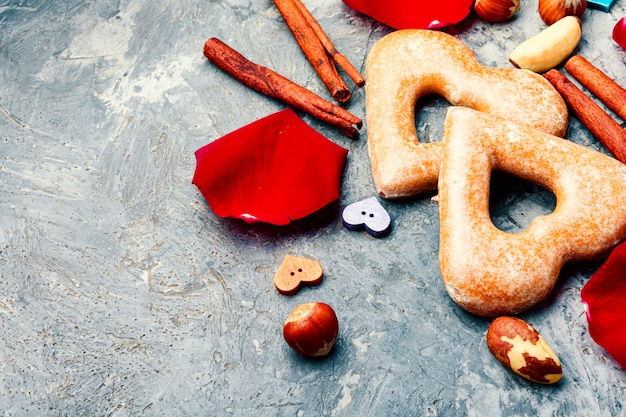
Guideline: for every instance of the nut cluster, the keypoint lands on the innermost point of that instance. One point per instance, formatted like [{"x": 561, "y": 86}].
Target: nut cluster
[{"x": 550, "y": 11}]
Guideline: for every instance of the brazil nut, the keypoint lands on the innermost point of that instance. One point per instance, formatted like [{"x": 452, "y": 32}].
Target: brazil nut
[{"x": 520, "y": 348}]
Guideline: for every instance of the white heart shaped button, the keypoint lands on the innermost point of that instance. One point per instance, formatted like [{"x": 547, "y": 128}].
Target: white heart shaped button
[{"x": 367, "y": 214}]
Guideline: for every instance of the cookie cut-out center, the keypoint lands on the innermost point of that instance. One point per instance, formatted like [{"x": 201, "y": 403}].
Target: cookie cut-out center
[
  {"x": 514, "y": 202},
  {"x": 430, "y": 113}
]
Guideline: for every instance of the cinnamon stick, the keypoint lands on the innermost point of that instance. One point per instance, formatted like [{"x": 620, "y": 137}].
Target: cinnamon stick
[
  {"x": 274, "y": 85},
  {"x": 600, "y": 84},
  {"x": 313, "y": 49},
  {"x": 340, "y": 59},
  {"x": 600, "y": 123}
]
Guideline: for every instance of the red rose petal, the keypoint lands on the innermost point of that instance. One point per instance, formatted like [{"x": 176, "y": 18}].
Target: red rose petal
[
  {"x": 415, "y": 14},
  {"x": 604, "y": 296},
  {"x": 619, "y": 32},
  {"x": 275, "y": 170}
]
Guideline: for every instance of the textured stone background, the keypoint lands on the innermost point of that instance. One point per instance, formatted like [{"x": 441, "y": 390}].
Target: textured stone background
[{"x": 122, "y": 294}]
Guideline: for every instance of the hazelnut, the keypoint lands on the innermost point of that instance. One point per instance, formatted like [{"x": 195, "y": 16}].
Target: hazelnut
[
  {"x": 553, "y": 10},
  {"x": 496, "y": 10},
  {"x": 520, "y": 348},
  {"x": 311, "y": 329}
]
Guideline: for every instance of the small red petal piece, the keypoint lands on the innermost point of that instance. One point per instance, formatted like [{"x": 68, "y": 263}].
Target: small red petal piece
[
  {"x": 619, "y": 32},
  {"x": 274, "y": 170},
  {"x": 415, "y": 14},
  {"x": 604, "y": 297}
]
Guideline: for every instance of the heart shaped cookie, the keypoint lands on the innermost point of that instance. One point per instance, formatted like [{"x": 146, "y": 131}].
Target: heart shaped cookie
[
  {"x": 296, "y": 271},
  {"x": 409, "y": 64},
  {"x": 367, "y": 214},
  {"x": 490, "y": 272}
]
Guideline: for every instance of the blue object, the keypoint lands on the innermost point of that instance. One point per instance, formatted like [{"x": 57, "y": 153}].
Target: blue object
[{"x": 604, "y": 5}]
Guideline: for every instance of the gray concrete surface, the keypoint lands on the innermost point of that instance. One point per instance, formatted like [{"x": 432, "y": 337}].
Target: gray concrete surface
[{"x": 122, "y": 294}]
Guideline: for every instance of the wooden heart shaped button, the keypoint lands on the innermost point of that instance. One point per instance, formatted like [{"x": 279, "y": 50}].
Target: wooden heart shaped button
[
  {"x": 367, "y": 214},
  {"x": 296, "y": 271}
]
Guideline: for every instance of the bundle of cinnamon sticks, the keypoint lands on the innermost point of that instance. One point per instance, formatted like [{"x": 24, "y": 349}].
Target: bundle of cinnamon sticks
[
  {"x": 600, "y": 123},
  {"x": 319, "y": 51},
  {"x": 318, "y": 48}
]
